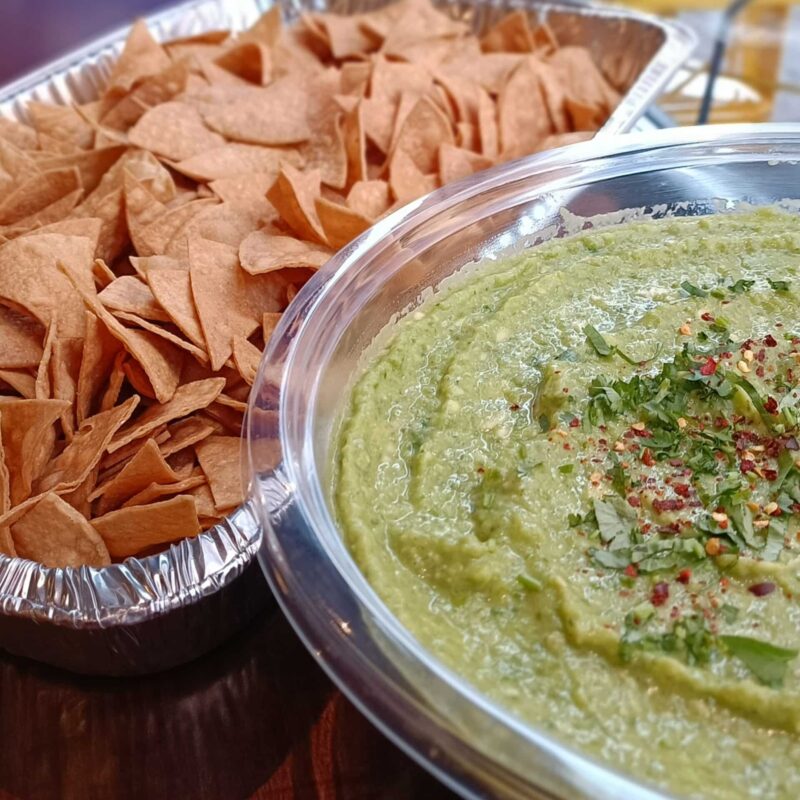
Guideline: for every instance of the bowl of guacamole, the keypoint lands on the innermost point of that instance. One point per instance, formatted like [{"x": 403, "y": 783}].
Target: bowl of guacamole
[{"x": 537, "y": 501}]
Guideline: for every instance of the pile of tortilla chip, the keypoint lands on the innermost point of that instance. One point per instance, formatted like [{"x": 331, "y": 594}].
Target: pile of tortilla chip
[{"x": 150, "y": 240}]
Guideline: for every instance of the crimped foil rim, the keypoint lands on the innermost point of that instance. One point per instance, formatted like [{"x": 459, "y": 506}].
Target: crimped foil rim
[{"x": 140, "y": 588}]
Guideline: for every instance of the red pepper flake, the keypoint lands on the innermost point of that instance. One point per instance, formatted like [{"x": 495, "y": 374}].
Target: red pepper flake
[
  {"x": 762, "y": 589},
  {"x": 681, "y": 489},
  {"x": 633, "y": 501},
  {"x": 515, "y": 407},
  {"x": 726, "y": 354},
  {"x": 647, "y": 458},
  {"x": 721, "y": 422},
  {"x": 660, "y": 594},
  {"x": 567, "y": 446},
  {"x": 771, "y": 405},
  {"x": 761, "y": 355},
  {"x": 574, "y": 422},
  {"x": 671, "y": 504},
  {"x": 684, "y": 576},
  {"x": 631, "y": 571},
  {"x": 746, "y": 465},
  {"x": 771, "y": 474},
  {"x": 645, "y": 528},
  {"x": 674, "y": 612},
  {"x": 760, "y": 371},
  {"x": 565, "y": 390},
  {"x": 707, "y": 317},
  {"x": 645, "y": 434},
  {"x": 769, "y": 340},
  {"x": 709, "y": 368},
  {"x": 675, "y": 462}
]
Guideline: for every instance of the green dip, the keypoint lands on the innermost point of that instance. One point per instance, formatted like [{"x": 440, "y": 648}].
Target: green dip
[{"x": 574, "y": 477}]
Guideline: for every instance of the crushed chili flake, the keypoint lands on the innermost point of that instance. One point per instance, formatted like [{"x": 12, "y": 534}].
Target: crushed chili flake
[
  {"x": 660, "y": 593},
  {"x": 760, "y": 371},
  {"x": 771, "y": 474},
  {"x": 709, "y": 367},
  {"x": 681, "y": 489},
  {"x": 771, "y": 405},
  {"x": 671, "y": 504},
  {"x": 762, "y": 589},
  {"x": 769, "y": 340},
  {"x": 574, "y": 422},
  {"x": 721, "y": 422},
  {"x": 647, "y": 458},
  {"x": 746, "y": 465},
  {"x": 684, "y": 576},
  {"x": 633, "y": 501},
  {"x": 631, "y": 571},
  {"x": 761, "y": 355},
  {"x": 707, "y": 317}
]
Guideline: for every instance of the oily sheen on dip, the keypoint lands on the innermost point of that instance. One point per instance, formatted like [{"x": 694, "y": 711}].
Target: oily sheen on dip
[{"x": 575, "y": 477}]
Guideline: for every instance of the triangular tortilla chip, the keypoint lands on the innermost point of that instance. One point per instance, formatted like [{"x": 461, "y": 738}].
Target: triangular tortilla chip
[
  {"x": 100, "y": 349},
  {"x": 146, "y": 467},
  {"x": 455, "y": 163},
  {"x": 340, "y": 223},
  {"x": 21, "y": 339},
  {"x": 236, "y": 158},
  {"x": 128, "y": 531},
  {"x": 370, "y": 199},
  {"x": 91, "y": 165},
  {"x": 266, "y": 29},
  {"x": 277, "y": 116},
  {"x": 130, "y": 294},
  {"x": 151, "y": 327},
  {"x": 155, "y": 491},
  {"x": 184, "y": 434},
  {"x": 246, "y": 357},
  {"x": 264, "y": 252},
  {"x": 406, "y": 180},
  {"x": 229, "y": 302},
  {"x": 54, "y": 534},
  {"x": 18, "y": 134},
  {"x": 187, "y": 398},
  {"x": 512, "y": 34},
  {"x": 248, "y": 60},
  {"x": 61, "y": 123},
  {"x": 172, "y": 289},
  {"x": 141, "y": 57},
  {"x": 28, "y": 435},
  {"x": 83, "y": 453},
  {"x": 356, "y": 146},
  {"x": 37, "y": 193},
  {"x": 19, "y": 381},
  {"x": 219, "y": 459},
  {"x": 424, "y": 129},
  {"x": 523, "y": 126},
  {"x": 175, "y": 131},
  {"x": 294, "y": 194}
]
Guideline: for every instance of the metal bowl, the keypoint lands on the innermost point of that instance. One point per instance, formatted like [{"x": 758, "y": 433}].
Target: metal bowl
[{"x": 468, "y": 741}]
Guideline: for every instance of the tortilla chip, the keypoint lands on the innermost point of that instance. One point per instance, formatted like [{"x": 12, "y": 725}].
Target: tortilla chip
[
  {"x": 146, "y": 467},
  {"x": 100, "y": 349},
  {"x": 406, "y": 180},
  {"x": 418, "y": 24},
  {"x": 155, "y": 237},
  {"x": 18, "y": 134},
  {"x": 356, "y": 146},
  {"x": 219, "y": 459},
  {"x": 53, "y": 533},
  {"x": 354, "y": 78},
  {"x": 582, "y": 79},
  {"x": 378, "y": 116},
  {"x": 172, "y": 290},
  {"x": 23, "y": 383},
  {"x": 175, "y": 131},
  {"x": 229, "y": 302},
  {"x": 277, "y": 117},
  {"x": 523, "y": 126},
  {"x": 130, "y": 530},
  {"x": 455, "y": 163},
  {"x": 250, "y": 61},
  {"x": 246, "y": 357},
  {"x": 112, "y": 463},
  {"x": 294, "y": 195},
  {"x": 83, "y": 453},
  {"x": 423, "y": 130},
  {"x": 487, "y": 126},
  {"x": 563, "y": 139},
  {"x": 340, "y": 223},
  {"x": 164, "y": 333},
  {"x": 42, "y": 384},
  {"x": 61, "y": 123},
  {"x": 264, "y": 252},
  {"x": 184, "y": 434},
  {"x": 28, "y": 436},
  {"x": 235, "y": 158},
  {"x": 21, "y": 339},
  {"x": 152, "y": 91},
  {"x": 38, "y": 192},
  {"x": 132, "y": 295},
  {"x": 267, "y": 29},
  {"x": 187, "y": 398},
  {"x": 115, "y": 380},
  {"x": 512, "y": 34},
  {"x": 91, "y": 165},
  {"x": 141, "y": 57},
  {"x": 370, "y": 199},
  {"x": 64, "y": 368},
  {"x": 155, "y": 491},
  {"x": 143, "y": 265}
]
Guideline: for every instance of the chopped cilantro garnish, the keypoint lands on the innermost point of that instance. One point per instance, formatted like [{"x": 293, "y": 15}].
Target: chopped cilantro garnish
[
  {"x": 596, "y": 340},
  {"x": 693, "y": 290},
  {"x": 740, "y": 286},
  {"x": 778, "y": 286},
  {"x": 767, "y": 662}
]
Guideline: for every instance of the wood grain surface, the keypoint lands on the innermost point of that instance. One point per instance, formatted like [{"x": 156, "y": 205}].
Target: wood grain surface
[{"x": 256, "y": 718}]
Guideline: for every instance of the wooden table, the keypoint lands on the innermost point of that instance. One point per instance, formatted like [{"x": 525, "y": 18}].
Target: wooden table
[{"x": 255, "y": 718}]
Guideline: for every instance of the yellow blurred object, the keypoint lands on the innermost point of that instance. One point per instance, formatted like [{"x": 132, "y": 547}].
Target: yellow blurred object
[{"x": 747, "y": 84}]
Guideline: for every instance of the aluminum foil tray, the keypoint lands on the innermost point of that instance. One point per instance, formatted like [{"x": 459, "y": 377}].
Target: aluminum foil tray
[{"x": 151, "y": 613}]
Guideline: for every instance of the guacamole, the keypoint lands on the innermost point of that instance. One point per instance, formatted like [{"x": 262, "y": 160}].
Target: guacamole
[{"x": 575, "y": 477}]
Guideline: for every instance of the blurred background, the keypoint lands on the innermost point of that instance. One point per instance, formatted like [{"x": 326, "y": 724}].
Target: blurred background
[{"x": 755, "y": 45}]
